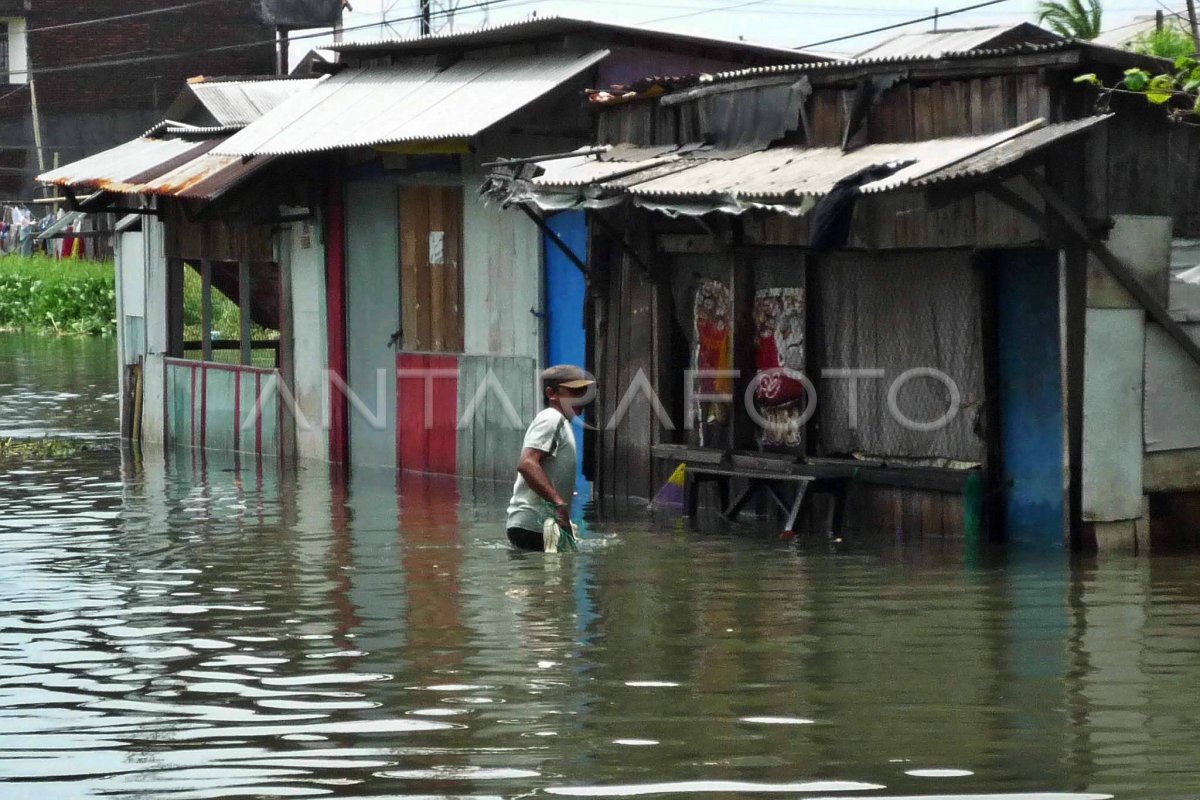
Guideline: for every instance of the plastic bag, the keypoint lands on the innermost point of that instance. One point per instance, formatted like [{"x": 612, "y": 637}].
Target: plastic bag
[{"x": 557, "y": 540}]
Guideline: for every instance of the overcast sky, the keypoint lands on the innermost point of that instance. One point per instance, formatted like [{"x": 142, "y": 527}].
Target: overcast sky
[{"x": 788, "y": 23}]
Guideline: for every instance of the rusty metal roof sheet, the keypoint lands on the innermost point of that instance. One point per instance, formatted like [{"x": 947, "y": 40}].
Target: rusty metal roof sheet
[
  {"x": 945, "y": 59},
  {"x": 540, "y": 27},
  {"x": 242, "y": 102},
  {"x": 370, "y": 106},
  {"x": 959, "y": 40},
  {"x": 203, "y": 178},
  {"x": 163, "y": 167},
  {"x": 123, "y": 168},
  {"x": 788, "y": 179}
]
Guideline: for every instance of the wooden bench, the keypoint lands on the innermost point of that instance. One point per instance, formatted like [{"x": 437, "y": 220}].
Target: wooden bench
[
  {"x": 763, "y": 481},
  {"x": 763, "y": 473}
]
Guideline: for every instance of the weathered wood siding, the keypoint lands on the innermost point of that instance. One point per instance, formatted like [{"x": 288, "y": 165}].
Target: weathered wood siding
[
  {"x": 217, "y": 240},
  {"x": 497, "y": 399},
  {"x": 431, "y": 268},
  {"x": 502, "y": 283}
]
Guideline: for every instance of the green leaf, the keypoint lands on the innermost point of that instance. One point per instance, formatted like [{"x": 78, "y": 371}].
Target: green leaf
[
  {"x": 1196, "y": 107},
  {"x": 1090, "y": 79},
  {"x": 1184, "y": 63},
  {"x": 1162, "y": 88},
  {"x": 1136, "y": 80}
]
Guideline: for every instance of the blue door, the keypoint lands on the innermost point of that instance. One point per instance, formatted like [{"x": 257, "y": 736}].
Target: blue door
[
  {"x": 566, "y": 290},
  {"x": 1031, "y": 400}
]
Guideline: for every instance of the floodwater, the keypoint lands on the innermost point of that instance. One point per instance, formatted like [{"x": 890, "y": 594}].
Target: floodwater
[{"x": 174, "y": 628}]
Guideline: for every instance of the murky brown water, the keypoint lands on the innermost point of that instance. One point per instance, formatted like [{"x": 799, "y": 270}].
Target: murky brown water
[{"x": 174, "y": 629}]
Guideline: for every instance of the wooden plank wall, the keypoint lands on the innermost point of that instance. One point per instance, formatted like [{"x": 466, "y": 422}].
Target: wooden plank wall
[
  {"x": 217, "y": 240},
  {"x": 432, "y": 287},
  {"x": 502, "y": 277},
  {"x": 490, "y": 389},
  {"x": 631, "y": 322}
]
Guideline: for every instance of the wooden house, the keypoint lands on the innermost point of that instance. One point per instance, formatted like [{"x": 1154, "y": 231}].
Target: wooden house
[
  {"x": 953, "y": 271},
  {"x": 379, "y": 301}
]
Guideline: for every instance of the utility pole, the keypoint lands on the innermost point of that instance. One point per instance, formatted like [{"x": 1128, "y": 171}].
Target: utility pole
[
  {"x": 426, "y": 17},
  {"x": 281, "y": 51},
  {"x": 1191, "y": 9}
]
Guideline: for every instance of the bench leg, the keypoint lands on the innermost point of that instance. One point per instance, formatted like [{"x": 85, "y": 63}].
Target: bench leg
[
  {"x": 731, "y": 512},
  {"x": 691, "y": 499},
  {"x": 723, "y": 487},
  {"x": 789, "y": 527},
  {"x": 839, "y": 509}
]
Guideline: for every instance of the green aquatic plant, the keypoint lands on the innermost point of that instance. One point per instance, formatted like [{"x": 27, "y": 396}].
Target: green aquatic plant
[
  {"x": 63, "y": 297},
  {"x": 36, "y": 449}
]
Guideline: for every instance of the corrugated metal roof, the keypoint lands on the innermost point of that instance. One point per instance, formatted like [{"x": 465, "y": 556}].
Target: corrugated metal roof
[
  {"x": 779, "y": 177},
  {"x": 537, "y": 27},
  {"x": 242, "y": 102},
  {"x": 127, "y": 165},
  {"x": 1123, "y": 57},
  {"x": 957, "y": 40},
  {"x": 203, "y": 178},
  {"x": 406, "y": 103},
  {"x": 164, "y": 167}
]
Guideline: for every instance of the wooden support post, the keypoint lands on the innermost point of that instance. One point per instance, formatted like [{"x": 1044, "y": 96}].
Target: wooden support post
[
  {"x": 611, "y": 231},
  {"x": 175, "y": 268},
  {"x": 244, "y": 310},
  {"x": 1128, "y": 280},
  {"x": 205, "y": 310}
]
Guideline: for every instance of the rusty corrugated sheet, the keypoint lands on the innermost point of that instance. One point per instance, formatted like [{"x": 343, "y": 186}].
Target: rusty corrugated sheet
[
  {"x": 203, "y": 178},
  {"x": 161, "y": 167},
  {"x": 123, "y": 168},
  {"x": 407, "y": 103},
  {"x": 784, "y": 178},
  {"x": 958, "y": 40}
]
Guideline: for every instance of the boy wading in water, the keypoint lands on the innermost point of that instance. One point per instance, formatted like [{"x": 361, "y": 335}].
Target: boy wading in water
[{"x": 546, "y": 473}]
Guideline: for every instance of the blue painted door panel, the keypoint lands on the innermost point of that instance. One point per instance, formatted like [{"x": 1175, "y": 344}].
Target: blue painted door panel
[
  {"x": 1031, "y": 401},
  {"x": 566, "y": 289}
]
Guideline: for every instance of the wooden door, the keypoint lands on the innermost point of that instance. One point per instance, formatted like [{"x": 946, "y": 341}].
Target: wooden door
[{"x": 431, "y": 268}]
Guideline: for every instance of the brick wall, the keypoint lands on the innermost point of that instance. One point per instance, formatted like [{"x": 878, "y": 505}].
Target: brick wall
[{"x": 87, "y": 110}]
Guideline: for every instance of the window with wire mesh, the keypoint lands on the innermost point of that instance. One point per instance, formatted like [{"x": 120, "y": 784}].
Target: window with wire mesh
[{"x": 225, "y": 315}]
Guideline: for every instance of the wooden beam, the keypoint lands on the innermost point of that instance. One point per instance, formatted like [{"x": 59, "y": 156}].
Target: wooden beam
[
  {"x": 1128, "y": 280},
  {"x": 554, "y": 237},
  {"x": 613, "y": 233}
]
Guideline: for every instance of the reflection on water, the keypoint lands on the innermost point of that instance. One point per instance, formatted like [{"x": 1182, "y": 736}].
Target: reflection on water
[
  {"x": 57, "y": 386},
  {"x": 192, "y": 629},
  {"x": 189, "y": 630}
]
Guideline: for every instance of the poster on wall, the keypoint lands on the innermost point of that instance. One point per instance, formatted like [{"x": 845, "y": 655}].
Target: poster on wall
[
  {"x": 712, "y": 312},
  {"x": 779, "y": 343}
]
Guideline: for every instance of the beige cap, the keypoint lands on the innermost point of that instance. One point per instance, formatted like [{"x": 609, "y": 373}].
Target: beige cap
[{"x": 566, "y": 375}]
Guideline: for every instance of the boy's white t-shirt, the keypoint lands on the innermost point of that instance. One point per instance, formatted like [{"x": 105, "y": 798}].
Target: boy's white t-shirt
[{"x": 551, "y": 432}]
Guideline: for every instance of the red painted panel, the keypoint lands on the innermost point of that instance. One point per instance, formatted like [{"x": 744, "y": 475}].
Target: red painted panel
[
  {"x": 427, "y": 442},
  {"x": 335, "y": 301},
  {"x": 443, "y": 438}
]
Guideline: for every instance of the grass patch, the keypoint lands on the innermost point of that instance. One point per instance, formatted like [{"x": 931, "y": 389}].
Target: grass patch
[{"x": 51, "y": 296}]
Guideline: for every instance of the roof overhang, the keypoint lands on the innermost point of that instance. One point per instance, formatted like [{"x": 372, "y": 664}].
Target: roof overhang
[
  {"x": 181, "y": 168},
  {"x": 696, "y": 180},
  {"x": 414, "y": 102}
]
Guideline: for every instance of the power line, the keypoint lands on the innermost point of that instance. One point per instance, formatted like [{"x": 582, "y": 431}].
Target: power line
[
  {"x": 928, "y": 18},
  {"x": 118, "y": 17},
  {"x": 56, "y": 68},
  {"x": 705, "y": 11}
]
